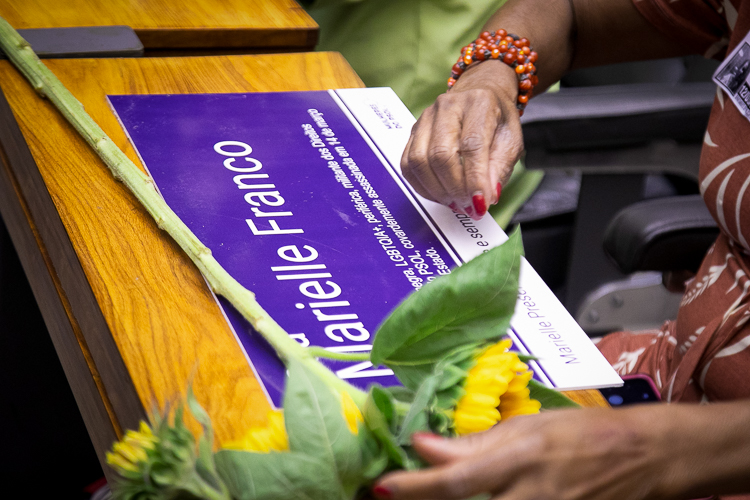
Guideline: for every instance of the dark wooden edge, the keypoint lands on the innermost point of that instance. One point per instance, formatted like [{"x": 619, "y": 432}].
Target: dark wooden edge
[
  {"x": 242, "y": 38},
  {"x": 92, "y": 363}
]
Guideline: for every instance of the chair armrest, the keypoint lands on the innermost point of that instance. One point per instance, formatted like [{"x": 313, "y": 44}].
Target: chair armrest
[
  {"x": 665, "y": 234},
  {"x": 617, "y": 115}
]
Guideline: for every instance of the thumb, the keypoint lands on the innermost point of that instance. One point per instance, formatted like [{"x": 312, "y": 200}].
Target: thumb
[{"x": 437, "y": 450}]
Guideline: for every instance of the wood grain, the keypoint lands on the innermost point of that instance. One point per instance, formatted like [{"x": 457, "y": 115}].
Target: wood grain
[
  {"x": 147, "y": 321},
  {"x": 175, "y": 24},
  {"x": 132, "y": 318},
  {"x": 589, "y": 398}
]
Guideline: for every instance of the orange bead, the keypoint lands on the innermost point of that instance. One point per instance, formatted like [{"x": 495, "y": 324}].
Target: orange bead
[
  {"x": 451, "y": 82},
  {"x": 518, "y": 43},
  {"x": 509, "y": 39},
  {"x": 467, "y": 59},
  {"x": 501, "y": 33},
  {"x": 523, "y": 99},
  {"x": 503, "y": 47},
  {"x": 480, "y": 42},
  {"x": 525, "y": 51},
  {"x": 530, "y": 68},
  {"x": 486, "y": 35},
  {"x": 495, "y": 53},
  {"x": 533, "y": 56},
  {"x": 520, "y": 69},
  {"x": 524, "y": 42},
  {"x": 521, "y": 58},
  {"x": 508, "y": 58},
  {"x": 525, "y": 85}
]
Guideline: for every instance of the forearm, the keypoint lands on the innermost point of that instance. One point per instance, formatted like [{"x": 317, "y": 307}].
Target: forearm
[
  {"x": 577, "y": 33},
  {"x": 706, "y": 449}
]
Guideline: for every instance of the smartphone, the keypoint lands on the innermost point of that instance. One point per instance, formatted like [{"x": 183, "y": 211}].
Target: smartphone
[{"x": 636, "y": 389}]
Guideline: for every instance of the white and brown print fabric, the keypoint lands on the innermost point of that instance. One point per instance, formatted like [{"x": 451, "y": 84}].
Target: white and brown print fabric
[{"x": 704, "y": 355}]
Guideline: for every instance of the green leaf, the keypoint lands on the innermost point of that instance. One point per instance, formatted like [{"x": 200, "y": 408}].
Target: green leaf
[
  {"x": 205, "y": 463},
  {"x": 377, "y": 407},
  {"x": 472, "y": 304},
  {"x": 316, "y": 425},
  {"x": 550, "y": 398},
  {"x": 416, "y": 418},
  {"x": 276, "y": 476}
]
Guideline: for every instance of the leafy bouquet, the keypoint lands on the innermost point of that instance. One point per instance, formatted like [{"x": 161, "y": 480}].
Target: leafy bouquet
[{"x": 444, "y": 343}]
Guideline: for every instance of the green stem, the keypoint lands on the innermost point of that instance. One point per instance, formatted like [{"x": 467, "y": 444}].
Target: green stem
[
  {"x": 320, "y": 352},
  {"x": 222, "y": 283}
]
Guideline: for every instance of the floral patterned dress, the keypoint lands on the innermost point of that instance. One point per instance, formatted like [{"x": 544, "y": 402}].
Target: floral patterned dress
[{"x": 704, "y": 355}]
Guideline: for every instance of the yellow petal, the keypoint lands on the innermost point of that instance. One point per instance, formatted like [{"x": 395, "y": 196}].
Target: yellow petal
[
  {"x": 465, "y": 423},
  {"x": 133, "y": 453},
  {"x": 351, "y": 412},
  {"x": 119, "y": 462}
]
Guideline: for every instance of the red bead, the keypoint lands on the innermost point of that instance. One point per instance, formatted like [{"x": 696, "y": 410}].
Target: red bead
[
  {"x": 457, "y": 69},
  {"x": 521, "y": 58},
  {"x": 524, "y": 42},
  {"x": 508, "y": 58},
  {"x": 486, "y": 35},
  {"x": 479, "y": 56},
  {"x": 520, "y": 69},
  {"x": 533, "y": 56},
  {"x": 509, "y": 39},
  {"x": 520, "y": 112},
  {"x": 481, "y": 42},
  {"x": 501, "y": 33},
  {"x": 525, "y": 51},
  {"x": 523, "y": 99},
  {"x": 503, "y": 47},
  {"x": 517, "y": 43},
  {"x": 495, "y": 53},
  {"x": 525, "y": 85},
  {"x": 534, "y": 80},
  {"x": 530, "y": 68}
]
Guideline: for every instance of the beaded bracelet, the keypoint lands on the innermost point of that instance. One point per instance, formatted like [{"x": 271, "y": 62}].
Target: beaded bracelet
[{"x": 514, "y": 51}]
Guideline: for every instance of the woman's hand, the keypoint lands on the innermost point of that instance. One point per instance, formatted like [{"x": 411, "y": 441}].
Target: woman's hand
[
  {"x": 589, "y": 454},
  {"x": 463, "y": 148}
]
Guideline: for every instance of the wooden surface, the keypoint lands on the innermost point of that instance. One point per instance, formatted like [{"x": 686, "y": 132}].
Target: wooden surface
[
  {"x": 131, "y": 317},
  {"x": 178, "y": 24}
]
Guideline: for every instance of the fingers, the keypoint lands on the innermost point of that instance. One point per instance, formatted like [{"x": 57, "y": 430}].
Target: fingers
[
  {"x": 437, "y": 450},
  {"x": 506, "y": 148},
  {"x": 481, "y": 471},
  {"x": 479, "y": 129},
  {"x": 462, "y": 148}
]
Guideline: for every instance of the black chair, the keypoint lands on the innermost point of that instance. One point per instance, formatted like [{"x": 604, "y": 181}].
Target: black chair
[
  {"x": 622, "y": 140},
  {"x": 670, "y": 234}
]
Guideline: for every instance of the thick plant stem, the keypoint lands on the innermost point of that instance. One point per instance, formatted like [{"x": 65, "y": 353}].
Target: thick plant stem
[{"x": 47, "y": 85}]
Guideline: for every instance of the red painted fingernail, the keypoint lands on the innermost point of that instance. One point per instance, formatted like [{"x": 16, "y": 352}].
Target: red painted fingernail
[
  {"x": 453, "y": 206},
  {"x": 480, "y": 206},
  {"x": 499, "y": 190},
  {"x": 469, "y": 211},
  {"x": 382, "y": 492}
]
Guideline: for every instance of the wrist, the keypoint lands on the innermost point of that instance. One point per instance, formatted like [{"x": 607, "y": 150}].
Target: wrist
[
  {"x": 495, "y": 76},
  {"x": 702, "y": 450},
  {"x": 512, "y": 51}
]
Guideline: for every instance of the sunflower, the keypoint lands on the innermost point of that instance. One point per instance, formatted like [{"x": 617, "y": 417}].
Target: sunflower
[
  {"x": 495, "y": 389},
  {"x": 132, "y": 450},
  {"x": 265, "y": 438}
]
